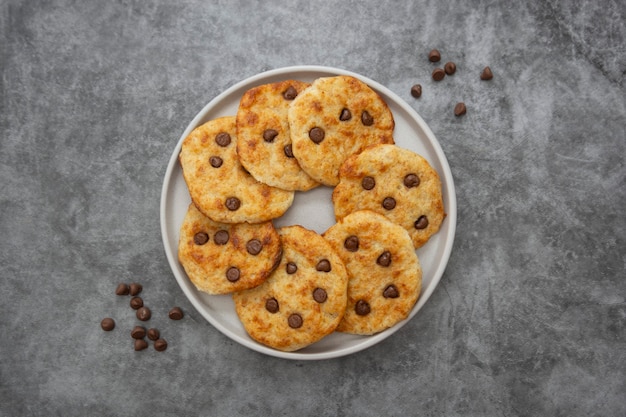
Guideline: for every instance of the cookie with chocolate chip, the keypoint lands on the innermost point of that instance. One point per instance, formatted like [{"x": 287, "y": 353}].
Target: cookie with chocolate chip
[
  {"x": 395, "y": 182},
  {"x": 303, "y": 300},
  {"x": 384, "y": 272},
  {"x": 334, "y": 118},
  {"x": 221, "y": 258},
  {"x": 263, "y": 137},
  {"x": 218, "y": 184}
]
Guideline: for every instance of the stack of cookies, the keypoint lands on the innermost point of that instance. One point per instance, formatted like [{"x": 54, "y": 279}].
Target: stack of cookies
[{"x": 292, "y": 286}]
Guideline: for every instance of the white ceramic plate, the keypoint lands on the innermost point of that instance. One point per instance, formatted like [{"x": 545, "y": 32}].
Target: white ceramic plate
[{"x": 312, "y": 209}]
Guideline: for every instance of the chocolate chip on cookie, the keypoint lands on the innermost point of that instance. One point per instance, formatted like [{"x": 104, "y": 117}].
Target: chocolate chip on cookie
[
  {"x": 290, "y": 93},
  {"x": 421, "y": 223},
  {"x": 411, "y": 180},
  {"x": 389, "y": 203},
  {"x": 233, "y": 274},
  {"x": 351, "y": 243},
  {"x": 269, "y": 135},
  {"x": 317, "y": 135},
  {"x": 254, "y": 246},
  {"x": 319, "y": 295},
  {"x": 288, "y": 151},
  {"x": 362, "y": 308},
  {"x": 233, "y": 203},
  {"x": 323, "y": 266},
  {"x": 368, "y": 183},
  {"x": 291, "y": 268},
  {"x": 345, "y": 115},
  {"x": 272, "y": 306},
  {"x": 222, "y": 139},
  {"x": 391, "y": 292},
  {"x": 384, "y": 259},
  {"x": 200, "y": 238},
  {"x": 366, "y": 118},
  {"x": 221, "y": 237},
  {"x": 216, "y": 161},
  {"x": 295, "y": 321}
]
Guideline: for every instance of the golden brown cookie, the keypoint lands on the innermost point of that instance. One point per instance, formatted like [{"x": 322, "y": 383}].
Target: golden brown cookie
[
  {"x": 264, "y": 141},
  {"x": 384, "y": 273},
  {"x": 395, "y": 182},
  {"x": 334, "y": 118},
  {"x": 303, "y": 300},
  {"x": 220, "y": 258},
  {"x": 218, "y": 185}
]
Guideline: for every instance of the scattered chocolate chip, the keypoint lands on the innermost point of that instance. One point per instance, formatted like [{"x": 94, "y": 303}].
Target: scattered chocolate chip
[
  {"x": 421, "y": 223},
  {"x": 153, "y": 334},
  {"x": 216, "y": 161},
  {"x": 317, "y": 134},
  {"x": 175, "y": 313},
  {"x": 221, "y": 237},
  {"x": 200, "y": 238},
  {"x": 460, "y": 109},
  {"x": 290, "y": 93},
  {"x": 144, "y": 314},
  {"x": 136, "y": 303},
  {"x": 271, "y": 305},
  {"x": 411, "y": 180},
  {"x": 486, "y": 74},
  {"x": 368, "y": 183},
  {"x": 138, "y": 332},
  {"x": 254, "y": 246},
  {"x": 438, "y": 74},
  {"x": 107, "y": 324},
  {"x": 160, "y": 345},
  {"x": 140, "y": 344},
  {"x": 291, "y": 268},
  {"x": 351, "y": 243},
  {"x": 288, "y": 151},
  {"x": 416, "y": 90},
  {"x": 384, "y": 259},
  {"x": 391, "y": 292},
  {"x": 323, "y": 266},
  {"x": 345, "y": 115},
  {"x": 434, "y": 55},
  {"x": 233, "y": 203},
  {"x": 222, "y": 139},
  {"x": 122, "y": 289},
  {"x": 362, "y": 308},
  {"x": 233, "y": 274},
  {"x": 449, "y": 68},
  {"x": 295, "y": 321},
  {"x": 269, "y": 135},
  {"x": 319, "y": 295},
  {"x": 367, "y": 118},
  {"x": 135, "y": 288},
  {"x": 389, "y": 203}
]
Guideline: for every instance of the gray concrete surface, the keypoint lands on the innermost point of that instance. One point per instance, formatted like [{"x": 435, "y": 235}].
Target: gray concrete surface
[{"x": 529, "y": 318}]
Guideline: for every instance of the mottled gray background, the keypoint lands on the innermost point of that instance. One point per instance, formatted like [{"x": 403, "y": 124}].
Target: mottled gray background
[{"x": 530, "y": 316}]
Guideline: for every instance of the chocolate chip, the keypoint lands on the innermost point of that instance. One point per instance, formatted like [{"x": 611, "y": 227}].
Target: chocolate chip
[
  {"x": 271, "y": 305},
  {"x": 144, "y": 314},
  {"x": 486, "y": 74},
  {"x": 216, "y": 161},
  {"x": 153, "y": 334},
  {"x": 411, "y": 180},
  {"x": 269, "y": 135},
  {"x": 460, "y": 109},
  {"x": 368, "y": 183},
  {"x": 140, "y": 344},
  {"x": 107, "y": 324},
  {"x": 160, "y": 345},
  {"x": 200, "y": 238},
  {"x": 389, "y": 203},
  {"x": 233, "y": 203},
  {"x": 122, "y": 289},
  {"x": 323, "y": 266},
  {"x": 351, "y": 243},
  {"x": 233, "y": 274},
  {"x": 449, "y": 68},
  {"x": 345, "y": 115},
  {"x": 138, "y": 332},
  {"x": 291, "y": 268},
  {"x": 135, "y": 288},
  {"x": 362, "y": 308},
  {"x": 384, "y": 259},
  {"x": 290, "y": 93},
  {"x": 434, "y": 55},
  {"x": 222, "y": 139},
  {"x": 416, "y": 91},
  {"x": 367, "y": 118},
  {"x": 295, "y": 321},
  {"x": 221, "y": 237},
  {"x": 136, "y": 303},
  {"x": 175, "y": 313},
  {"x": 438, "y": 74},
  {"x": 254, "y": 247},
  {"x": 288, "y": 151},
  {"x": 391, "y": 292},
  {"x": 317, "y": 134},
  {"x": 421, "y": 223},
  {"x": 319, "y": 295}
]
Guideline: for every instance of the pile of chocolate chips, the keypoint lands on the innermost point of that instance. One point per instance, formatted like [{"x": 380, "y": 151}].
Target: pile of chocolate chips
[
  {"x": 439, "y": 74},
  {"x": 143, "y": 313}
]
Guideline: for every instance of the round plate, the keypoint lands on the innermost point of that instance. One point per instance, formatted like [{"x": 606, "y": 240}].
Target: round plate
[{"x": 311, "y": 209}]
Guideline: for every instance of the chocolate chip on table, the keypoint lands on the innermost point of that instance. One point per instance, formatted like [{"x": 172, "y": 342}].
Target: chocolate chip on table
[
  {"x": 384, "y": 259},
  {"x": 438, "y": 74},
  {"x": 434, "y": 55},
  {"x": 233, "y": 274},
  {"x": 391, "y": 292},
  {"x": 254, "y": 247},
  {"x": 421, "y": 223},
  {"x": 362, "y": 308},
  {"x": 290, "y": 93},
  {"x": 153, "y": 334},
  {"x": 160, "y": 345},
  {"x": 295, "y": 321},
  {"x": 135, "y": 288},
  {"x": 221, "y": 237},
  {"x": 175, "y": 313},
  {"x": 288, "y": 151},
  {"x": 345, "y": 115},
  {"x": 367, "y": 118},
  {"x": 460, "y": 109},
  {"x": 200, "y": 238},
  {"x": 269, "y": 135},
  {"x": 323, "y": 266},
  {"x": 216, "y": 161},
  {"x": 351, "y": 243},
  {"x": 138, "y": 332},
  {"x": 271, "y": 305},
  {"x": 317, "y": 135},
  {"x": 486, "y": 74},
  {"x": 107, "y": 324},
  {"x": 144, "y": 314},
  {"x": 122, "y": 289},
  {"x": 389, "y": 203},
  {"x": 368, "y": 183},
  {"x": 449, "y": 68},
  {"x": 233, "y": 203},
  {"x": 140, "y": 344},
  {"x": 411, "y": 180},
  {"x": 136, "y": 303},
  {"x": 319, "y": 295},
  {"x": 291, "y": 268},
  {"x": 222, "y": 139},
  {"x": 416, "y": 90}
]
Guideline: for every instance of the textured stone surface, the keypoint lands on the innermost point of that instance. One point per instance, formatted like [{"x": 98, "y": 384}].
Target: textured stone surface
[{"x": 530, "y": 316}]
